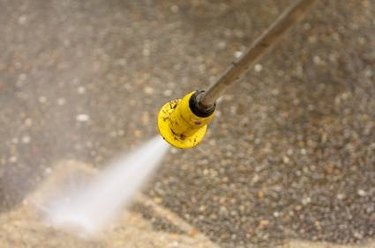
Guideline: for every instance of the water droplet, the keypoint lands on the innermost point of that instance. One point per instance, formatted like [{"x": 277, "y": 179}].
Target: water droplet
[{"x": 82, "y": 117}]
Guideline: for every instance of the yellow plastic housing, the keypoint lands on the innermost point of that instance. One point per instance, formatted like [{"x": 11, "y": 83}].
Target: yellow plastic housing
[{"x": 179, "y": 126}]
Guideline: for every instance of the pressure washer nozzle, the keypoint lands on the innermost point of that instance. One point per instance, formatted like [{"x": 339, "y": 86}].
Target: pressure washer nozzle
[{"x": 183, "y": 122}]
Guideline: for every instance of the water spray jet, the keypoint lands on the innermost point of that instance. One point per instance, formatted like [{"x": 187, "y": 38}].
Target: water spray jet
[{"x": 183, "y": 122}]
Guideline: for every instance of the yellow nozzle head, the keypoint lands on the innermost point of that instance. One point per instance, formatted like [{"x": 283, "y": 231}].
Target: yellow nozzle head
[{"x": 181, "y": 124}]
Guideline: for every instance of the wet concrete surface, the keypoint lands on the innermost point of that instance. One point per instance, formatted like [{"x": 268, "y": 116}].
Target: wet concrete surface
[{"x": 290, "y": 154}]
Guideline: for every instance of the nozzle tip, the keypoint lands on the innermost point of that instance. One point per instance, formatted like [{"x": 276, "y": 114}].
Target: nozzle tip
[{"x": 181, "y": 125}]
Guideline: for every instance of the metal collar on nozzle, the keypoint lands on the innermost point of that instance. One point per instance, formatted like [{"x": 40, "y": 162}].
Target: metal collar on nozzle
[{"x": 183, "y": 122}]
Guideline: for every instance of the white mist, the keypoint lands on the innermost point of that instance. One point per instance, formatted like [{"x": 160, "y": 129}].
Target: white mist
[{"x": 90, "y": 209}]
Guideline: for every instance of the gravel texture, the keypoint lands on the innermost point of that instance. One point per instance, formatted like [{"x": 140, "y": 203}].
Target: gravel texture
[{"x": 291, "y": 154}]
